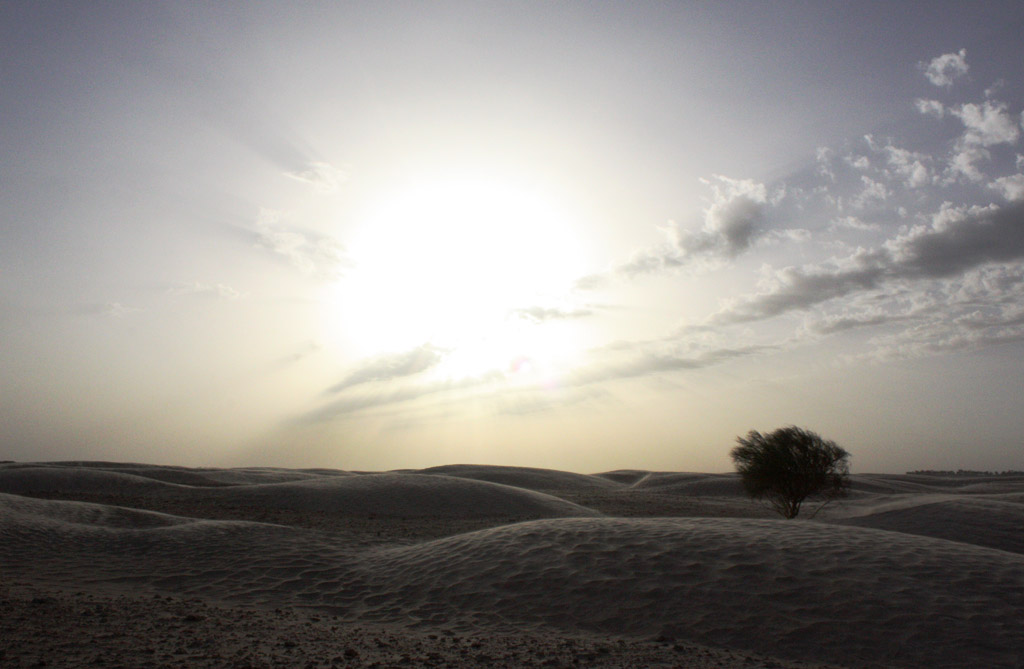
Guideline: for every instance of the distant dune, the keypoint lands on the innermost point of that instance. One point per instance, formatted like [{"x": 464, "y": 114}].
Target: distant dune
[
  {"x": 525, "y": 477},
  {"x": 471, "y": 564}
]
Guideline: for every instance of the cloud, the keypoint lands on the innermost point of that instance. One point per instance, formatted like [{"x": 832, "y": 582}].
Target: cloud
[
  {"x": 531, "y": 402},
  {"x": 908, "y": 166},
  {"x": 798, "y": 235},
  {"x": 873, "y": 191},
  {"x": 731, "y": 221},
  {"x": 930, "y": 107},
  {"x": 118, "y": 310},
  {"x": 521, "y": 400},
  {"x": 823, "y": 161},
  {"x": 859, "y": 162},
  {"x": 1011, "y": 187},
  {"x": 795, "y": 288},
  {"x": 959, "y": 239},
  {"x": 647, "y": 261},
  {"x": 851, "y": 223},
  {"x": 955, "y": 328},
  {"x": 987, "y": 124},
  {"x": 980, "y": 307},
  {"x": 389, "y": 367},
  {"x": 843, "y": 323},
  {"x": 371, "y": 400},
  {"x": 965, "y": 163},
  {"x": 539, "y": 314},
  {"x": 945, "y": 69},
  {"x": 197, "y": 288},
  {"x": 311, "y": 254},
  {"x": 301, "y": 352},
  {"x": 323, "y": 177},
  {"x": 648, "y": 363},
  {"x": 591, "y": 282},
  {"x": 362, "y": 389}
]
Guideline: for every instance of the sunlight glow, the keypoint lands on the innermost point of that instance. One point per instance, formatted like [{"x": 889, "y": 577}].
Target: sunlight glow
[{"x": 449, "y": 261}]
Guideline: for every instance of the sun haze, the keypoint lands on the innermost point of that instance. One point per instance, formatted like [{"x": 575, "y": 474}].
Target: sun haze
[
  {"x": 454, "y": 262},
  {"x": 373, "y": 236}
]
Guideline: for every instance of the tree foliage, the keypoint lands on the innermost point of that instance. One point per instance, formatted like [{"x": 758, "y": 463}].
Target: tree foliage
[{"x": 789, "y": 465}]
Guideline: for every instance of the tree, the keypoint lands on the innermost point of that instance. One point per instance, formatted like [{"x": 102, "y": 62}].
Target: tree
[{"x": 789, "y": 465}]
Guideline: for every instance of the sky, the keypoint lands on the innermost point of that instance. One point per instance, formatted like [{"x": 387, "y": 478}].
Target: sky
[{"x": 585, "y": 236}]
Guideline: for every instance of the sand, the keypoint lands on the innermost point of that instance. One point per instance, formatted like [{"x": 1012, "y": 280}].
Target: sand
[{"x": 141, "y": 565}]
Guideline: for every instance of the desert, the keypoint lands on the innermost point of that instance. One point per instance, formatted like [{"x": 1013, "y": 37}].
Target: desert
[
  {"x": 122, "y": 564},
  {"x": 496, "y": 333}
]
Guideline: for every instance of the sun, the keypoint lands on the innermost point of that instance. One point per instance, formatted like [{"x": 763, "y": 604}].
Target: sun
[{"x": 455, "y": 262}]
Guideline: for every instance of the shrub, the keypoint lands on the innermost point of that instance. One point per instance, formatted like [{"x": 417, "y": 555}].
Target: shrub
[{"x": 789, "y": 465}]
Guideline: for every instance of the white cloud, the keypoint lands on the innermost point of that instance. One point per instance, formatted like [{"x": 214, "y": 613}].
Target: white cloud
[
  {"x": 823, "y": 158},
  {"x": 930, "y": 107},
  {"x": 644, "y": 261},
  {"x": 908, "y": 166},
  {"x": 835, "y": 324},
  {"x": 873, "y": 191},
  {"x": 980, "y": 307},
  {"x": 987, "y": 124},
  {"x": 312, "y": 254},
  {"x": 945, "y": 69},
  {"x": 859, "y": 162},
  {"x": 645, "y": 362},
  {"x": 965, "y": 163},
  {"x": 591, "y": 282},
  {"x": 797, "y": 235},
  {"x": 538, "y": 314},
  {"x": 957, "y": 326},
  {"x": 388, "y": 367},
  {"x": 1011, "y": 187},
  {"x": 198, "y": 288},
  {"x": 852, "y": 223},
  {"x": 323, "y": 177},
  {"x": 350, "y": 403},
  {"x": 118, "y": 310}
]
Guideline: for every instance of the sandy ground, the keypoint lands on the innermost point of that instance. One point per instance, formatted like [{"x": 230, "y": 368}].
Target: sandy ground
[{"x": 113, "y": 564}]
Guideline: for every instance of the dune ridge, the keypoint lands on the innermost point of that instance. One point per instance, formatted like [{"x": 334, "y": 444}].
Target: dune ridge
[
  {"x": 530, "y": 478},
  {"x": 382, "y": 495}
]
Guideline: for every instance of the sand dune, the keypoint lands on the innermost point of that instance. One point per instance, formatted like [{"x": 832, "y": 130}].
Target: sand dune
[
  {"x": 76, "y": 543},
  {"x": 624, "y": 476},
  {"x": 545, "y": 480},
  {"x": 379, "y": 495},
  {"x": 932, "y": 578},
  {"x": 727, "y": 485},
  {"x": 56, "y": 474},
  {"x": 771, "y": 586},
  {"x": 404, "y": 496},
  {"x": 254, "y": 475},
  {"x": 921, "y": 483},
  {"x": 994, "y": 523},
  {"x": 77, "y": 479}
]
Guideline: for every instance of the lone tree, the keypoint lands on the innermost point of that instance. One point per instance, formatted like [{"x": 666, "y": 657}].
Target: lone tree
[{"x": 789, "y": 465}]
